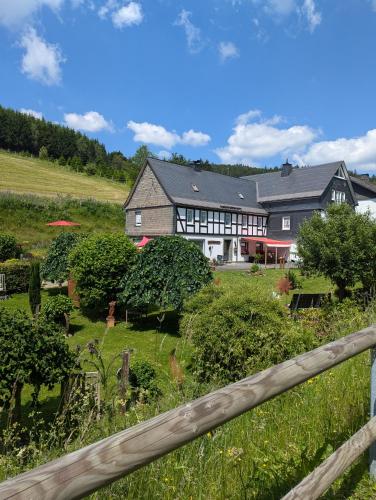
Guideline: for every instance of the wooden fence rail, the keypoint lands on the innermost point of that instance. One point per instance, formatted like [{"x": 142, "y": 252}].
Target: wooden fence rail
[{"x": 88, "y": 469}]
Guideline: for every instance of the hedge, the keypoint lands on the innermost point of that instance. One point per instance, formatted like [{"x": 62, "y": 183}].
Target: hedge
[{"x": 17, "y": 274}]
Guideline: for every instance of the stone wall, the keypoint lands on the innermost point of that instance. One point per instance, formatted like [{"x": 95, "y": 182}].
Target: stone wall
[
  {"x": 154, "y": 221},
  {"x": 148, "y": 192}
]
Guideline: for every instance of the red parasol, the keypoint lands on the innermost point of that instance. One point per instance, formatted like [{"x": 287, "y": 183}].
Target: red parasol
[
  {"x": 145, "y": 240},
  {"x": 63, "y": 223}
]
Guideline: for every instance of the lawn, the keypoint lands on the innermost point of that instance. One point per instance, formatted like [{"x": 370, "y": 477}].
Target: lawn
[
  {"x": 21, "y": 174},
  {"x": 259, "y": 455}
]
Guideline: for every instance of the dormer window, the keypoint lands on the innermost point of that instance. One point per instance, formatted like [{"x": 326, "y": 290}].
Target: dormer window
[
  {"x": 241, "y": 196},
  {"x": 195, "y": 188}
]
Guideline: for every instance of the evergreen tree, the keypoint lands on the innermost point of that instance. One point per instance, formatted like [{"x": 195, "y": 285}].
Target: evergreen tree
[{"x": 34, "y": 287}]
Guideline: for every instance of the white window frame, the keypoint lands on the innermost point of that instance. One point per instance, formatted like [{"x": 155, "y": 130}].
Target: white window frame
[
  {"x": 228, "y": 219},
  {"x": 138, "y": 218},
  {"x": 203, "y": 220},
  {"x": 286, "y": 223}
]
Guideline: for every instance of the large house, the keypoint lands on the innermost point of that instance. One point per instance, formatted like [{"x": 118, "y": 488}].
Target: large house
[{"x": 232, "y": 219}]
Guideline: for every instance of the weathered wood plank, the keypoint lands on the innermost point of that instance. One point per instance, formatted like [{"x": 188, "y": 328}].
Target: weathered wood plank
[
  {"x": 83, "y": 471},
  {"x": 316, "y": 483}
]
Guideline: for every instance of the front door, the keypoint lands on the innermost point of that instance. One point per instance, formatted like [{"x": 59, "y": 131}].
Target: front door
[{"x": 227, "y": 250}]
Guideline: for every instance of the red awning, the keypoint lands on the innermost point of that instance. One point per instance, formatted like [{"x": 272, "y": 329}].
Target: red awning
[
  {"x": 145, "y": 240},
  {"x": 269, "y": 242},
  {"x": 63, "y": 223}
]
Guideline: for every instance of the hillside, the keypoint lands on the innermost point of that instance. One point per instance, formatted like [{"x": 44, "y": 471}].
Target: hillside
[{"x": 21, "y": 174}]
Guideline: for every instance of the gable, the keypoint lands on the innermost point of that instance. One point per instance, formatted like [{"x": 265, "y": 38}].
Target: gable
[{"x": 147, "y": 192}]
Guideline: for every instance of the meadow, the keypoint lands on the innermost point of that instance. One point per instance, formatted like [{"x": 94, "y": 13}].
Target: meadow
[
  {"x": 27, "y": 175},
  {"x": 261, "y": 454}
]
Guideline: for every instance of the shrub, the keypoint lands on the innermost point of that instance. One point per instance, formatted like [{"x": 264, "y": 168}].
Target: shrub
[
  {"x": 8, "y": 247},
  {"x": 17, "y": 275},
  {"x": 142, "y": 378},
  {"x": 55, "y": 266},
  {"x": 43, "y": 153},
  {"x": 255, "y": 268},
  {"x": 98, "y": 264},
  {"x": 55, "y": 308},
  {"x": 168, "y": 270},
  {"x": 34, "y": 287},
  {"x": 293, "y": 279},
  {"x": 239, "y": 331}
]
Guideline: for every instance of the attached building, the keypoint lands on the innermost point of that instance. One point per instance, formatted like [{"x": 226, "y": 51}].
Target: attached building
[{"x": 232, "y": 218}]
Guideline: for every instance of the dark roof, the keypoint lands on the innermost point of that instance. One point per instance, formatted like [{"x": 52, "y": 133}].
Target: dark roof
[
  {"x": 301, "y": 183},
  {"x": 370, "y": 186},
  {"x": 214, "y": 190}
]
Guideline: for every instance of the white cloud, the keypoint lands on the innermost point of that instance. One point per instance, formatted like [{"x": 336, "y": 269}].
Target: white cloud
[
  {"x": 358, "y": 152},
  {"x": 128, "y": 15},
  {"x": 41, "y": 60},
  {"x": 248, "y": 116},
  {"x": 227, "y": 50},
  {"x": 373, "y": 5},
  {"x": 158, "y": 135},
  {"x": 192, "y": 33},
  {"x": 312, "y": 16},
  {"x": 31, "y": 112},
  {"x": 251, "y": 142},
  {"x": 279, "y": 8},
  {"x": 164, "y": 155},
  {"x": 192, "y": 138},
  {"x": 15, "y": 13},
  {"x": 92, "y": 121}
]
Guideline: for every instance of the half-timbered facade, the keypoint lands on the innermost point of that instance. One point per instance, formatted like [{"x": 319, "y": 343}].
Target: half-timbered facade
[{"x": 230, "y": 218}]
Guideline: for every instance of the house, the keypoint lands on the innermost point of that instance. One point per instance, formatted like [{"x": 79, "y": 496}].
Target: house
[
  {"x": 232, "y": 219},
  {"x": 365, "y": 193}
]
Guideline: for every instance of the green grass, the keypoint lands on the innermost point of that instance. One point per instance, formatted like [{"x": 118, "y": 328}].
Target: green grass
[
  {"x": 26, "y": 216},
  {"x": 21, "y": 174},
  {"x": 260, "y": 455}
]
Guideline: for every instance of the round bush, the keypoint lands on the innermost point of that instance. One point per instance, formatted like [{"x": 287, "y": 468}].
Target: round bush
[
  {"x": 238, "y": 331},
  {"x": 168, "y": 270},
  {"x": 98, "y": 263},
  {"x": 56, "y": 307},
  {"x": 8, "y": 247},
  {"x": 142, "y": 378}
]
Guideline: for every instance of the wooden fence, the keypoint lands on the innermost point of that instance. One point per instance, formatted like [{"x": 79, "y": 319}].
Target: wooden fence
[{"x": 88, "y": 469}]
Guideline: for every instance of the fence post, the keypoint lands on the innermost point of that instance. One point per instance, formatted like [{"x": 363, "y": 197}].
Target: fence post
[{"x": 372, "y": 449}]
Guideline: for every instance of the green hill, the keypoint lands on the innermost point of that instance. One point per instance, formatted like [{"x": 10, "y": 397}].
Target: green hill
[{"x": 19, "y": 174}]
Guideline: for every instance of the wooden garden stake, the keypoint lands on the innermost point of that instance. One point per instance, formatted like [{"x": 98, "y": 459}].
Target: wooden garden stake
[{"x": 124, "y": 377}]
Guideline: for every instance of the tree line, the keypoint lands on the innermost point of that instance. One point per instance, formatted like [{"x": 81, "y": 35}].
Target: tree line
[{"x": 23, "y": 133}]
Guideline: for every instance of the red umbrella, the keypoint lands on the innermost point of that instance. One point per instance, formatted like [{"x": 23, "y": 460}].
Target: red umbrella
[
  {"x": 145, "y": 240},
  {"x": 63, "y": 223}
]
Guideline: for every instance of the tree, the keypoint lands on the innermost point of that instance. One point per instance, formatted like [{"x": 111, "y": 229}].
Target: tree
[
  {"x": 98, "y": 263},
  {"x": 140, "y": 155},
  {"x": 34, "y": 287},
  {"x": 341, "y": 245},
  {"x": 32, "y": 352},
  {"x": 8, "y": 247},
  {"x": 55, "y": 266},
  {"x": 168, "y": 270},
  {"x": 43, "y": 153}
]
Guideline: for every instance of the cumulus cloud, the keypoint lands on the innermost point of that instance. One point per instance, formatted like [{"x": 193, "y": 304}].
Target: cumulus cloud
[
  {"x": 128, "y": 15},
  {"x": 41, "y": 60},
  {"x": 358, "y": 152},
  {"x": 158, "y": 135},
  {"x": 32, "y": 112},
  {"x": 227, "y": 50},
  {"x": 92, "y": 121},
  {"x": 15, "y": 13},
  {"x": 192, "y": 33},
  {"x": 312, "y": 16},
  {"x": 252, "y": 141}
]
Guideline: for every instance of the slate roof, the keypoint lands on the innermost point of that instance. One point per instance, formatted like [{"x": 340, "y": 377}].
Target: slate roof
[
  {"x": 215, "y": 190},
  {"x": 364, "y": 184},
  {"x": 301, "y": 183}
]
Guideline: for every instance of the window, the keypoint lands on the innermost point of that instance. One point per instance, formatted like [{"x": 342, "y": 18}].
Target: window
[
  {"x": 138, "y": 218},
  {"x": 195, "y": 188},
  {"x": 203, "y": 217},
  {"x": 286, "y": 223},
  {"x": 244, "y": 220},
  {"x": 338, "y": 196},
  {"x": 228, "y": 219},
  {"x": 259, "y": 223},
  {"x": 189, "y": 216},
  {"x": 241, "y": 196}
]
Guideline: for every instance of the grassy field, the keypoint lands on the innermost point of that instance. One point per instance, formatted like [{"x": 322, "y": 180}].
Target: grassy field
[
  {"x": 26, "y": 216},
  {"x": 21, "y": 174},
  {"x": 259, "y": 455}
]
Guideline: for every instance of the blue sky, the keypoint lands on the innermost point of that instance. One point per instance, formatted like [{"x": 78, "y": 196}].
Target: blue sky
[{"x": 251, "y": 81}]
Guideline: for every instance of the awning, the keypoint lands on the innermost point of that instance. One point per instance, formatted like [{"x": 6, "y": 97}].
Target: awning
[
  {"x": 269, "y": 242},
  {"x": 145, "y": 240},
  {"x": 62, "y": 223}
]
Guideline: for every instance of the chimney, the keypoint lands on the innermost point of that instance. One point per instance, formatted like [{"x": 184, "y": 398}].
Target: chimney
[
  {"x": 286, "y": 169},
  {"x": 196, "y": 165}
]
